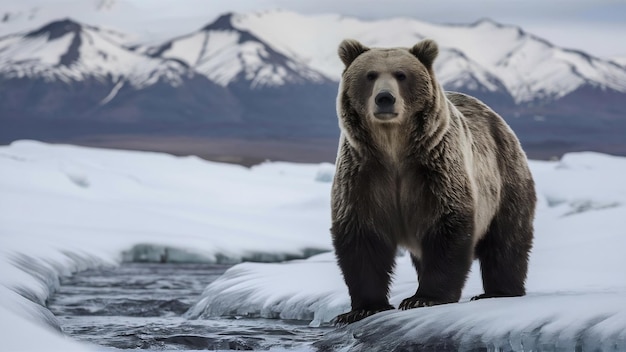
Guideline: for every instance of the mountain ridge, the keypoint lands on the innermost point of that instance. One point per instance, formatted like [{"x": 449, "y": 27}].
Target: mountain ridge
[
  {"x": 250, "y": 76},
  {"x": 225, "y": 52},
  {"x": 67, "y": 50},
  {"x": 458, "y": 37},
  {"x": 574, "y": 66}
]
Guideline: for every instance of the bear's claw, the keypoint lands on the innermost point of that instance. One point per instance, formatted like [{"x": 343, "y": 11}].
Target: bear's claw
[
  {"x": 481, "y": 296},
  {"x": 418, "y": 302},
  {"x": 410, "y": 303},
  {"x": 493, "y": 295},
  {"x": 356, "y": 315}
]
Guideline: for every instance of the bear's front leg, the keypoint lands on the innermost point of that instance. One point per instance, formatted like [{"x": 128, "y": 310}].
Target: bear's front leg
[
  {"x": 366, "y": 261},
  {"x": 445, "y": 262}
]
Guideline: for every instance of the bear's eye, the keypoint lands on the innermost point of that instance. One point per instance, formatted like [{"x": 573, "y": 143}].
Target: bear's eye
[
  {"x": 400, "y": 76},
  {"x": 371, "y": 76}
]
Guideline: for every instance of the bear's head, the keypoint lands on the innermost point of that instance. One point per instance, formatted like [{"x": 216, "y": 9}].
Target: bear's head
[{"x": 386, "y": 85}]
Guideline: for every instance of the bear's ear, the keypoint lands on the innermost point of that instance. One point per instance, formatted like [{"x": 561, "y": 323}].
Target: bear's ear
[
  {"x": 426, "y": 51},
  {"x": 349, "y": 50}
]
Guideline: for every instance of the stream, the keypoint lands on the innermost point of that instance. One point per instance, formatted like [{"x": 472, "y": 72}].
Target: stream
[{"x": 141, "y": 306}]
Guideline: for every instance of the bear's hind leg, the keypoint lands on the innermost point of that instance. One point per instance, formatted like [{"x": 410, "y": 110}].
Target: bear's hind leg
[
  {"x": 367, "y": 262},
  {"x": 503, "y": 255}
]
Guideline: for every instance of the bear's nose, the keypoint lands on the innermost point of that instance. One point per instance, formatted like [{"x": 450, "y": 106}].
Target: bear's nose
[{"x": 384, "y": 99}]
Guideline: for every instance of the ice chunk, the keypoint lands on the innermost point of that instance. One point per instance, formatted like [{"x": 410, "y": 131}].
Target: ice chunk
[
  {"x": 581, "y": 182},
  {"x": 325, "y": 172},
  {"x": 559, "y": 322},
  {"x": 151, "y": 253},
  {"x": 301, "y": 290}
]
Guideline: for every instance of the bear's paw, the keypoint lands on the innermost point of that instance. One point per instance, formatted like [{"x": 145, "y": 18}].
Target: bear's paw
[
  {"x": 358, "y": 314},
  {"x": 418, "y": 302}
]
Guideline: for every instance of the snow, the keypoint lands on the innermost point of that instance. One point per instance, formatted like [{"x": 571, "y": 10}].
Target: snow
[
  {"x": 214, "y": 54},
  {"x": 620, "y": 60},
  {"x": 527, "y": 67},
  {"x": 562, "y": 322},
  {"x": 98, "y": 56},
  {"x": 19, "y": 335},
  {"x": 112, "y": 93},
  {"x": 576, "y": 282},
  {"x": 224, "y": 54},
  {"x": 64, "y": 209},
  {"x": 188, "y": 49},
  {"x": 51, "y": 53},
  {"x": 454, "y": 70}
]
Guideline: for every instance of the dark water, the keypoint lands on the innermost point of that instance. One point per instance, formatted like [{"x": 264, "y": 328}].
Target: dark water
[{"x": 142, "y": 305}]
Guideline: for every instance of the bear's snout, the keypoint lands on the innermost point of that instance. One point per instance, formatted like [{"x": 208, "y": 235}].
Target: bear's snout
[
  {"x": 385, "y": 102},
  {"x": 385, "y": 99}
]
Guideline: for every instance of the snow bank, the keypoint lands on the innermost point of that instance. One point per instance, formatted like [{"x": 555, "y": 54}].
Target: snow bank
[
  {"x": 555, "y": 322},
  {"x": 576, "y": 282},
  {"x": 66, "y": 208},
  {"x": 300, "y": 290},
  {"x": 20, "y": 334}
]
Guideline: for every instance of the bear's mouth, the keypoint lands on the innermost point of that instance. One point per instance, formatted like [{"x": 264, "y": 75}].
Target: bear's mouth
[{"x": 385, "y": 116}]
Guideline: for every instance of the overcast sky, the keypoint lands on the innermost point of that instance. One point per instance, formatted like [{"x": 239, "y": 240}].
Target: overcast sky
[{"x": 595, "y": 26}]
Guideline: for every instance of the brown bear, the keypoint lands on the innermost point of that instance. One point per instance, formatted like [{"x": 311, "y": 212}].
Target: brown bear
[{"x": 440, "y": 174}]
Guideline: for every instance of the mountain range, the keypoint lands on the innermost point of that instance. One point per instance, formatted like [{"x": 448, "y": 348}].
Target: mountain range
[{"x": 270, "y": 78}]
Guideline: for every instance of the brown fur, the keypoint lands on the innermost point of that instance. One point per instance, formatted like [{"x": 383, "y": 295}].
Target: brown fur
[{"x": 438, "y": 173}]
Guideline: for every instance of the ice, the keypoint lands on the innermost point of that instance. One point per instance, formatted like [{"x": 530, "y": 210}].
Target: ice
[
  {"x": 21, "y": 334},
  {"x": 559, "y": 322},
  {"x": 65, "y": 209},
  {"x": 576, "y": 283},
  {"x": 325, "y": 173},
  {"x": 151, "y": 253},
  {"x": 301, "y": 290}
]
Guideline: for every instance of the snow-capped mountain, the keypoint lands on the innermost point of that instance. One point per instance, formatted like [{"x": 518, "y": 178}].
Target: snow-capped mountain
[
  {"x": 528, "y": 67},
  {"x": 484, "y": 56},
  {"x": 69, "y": 51},
  {"x": 275, "y": 74},
  {"x": 69, "y": 71},
  {"x": 224, "y": 54}
]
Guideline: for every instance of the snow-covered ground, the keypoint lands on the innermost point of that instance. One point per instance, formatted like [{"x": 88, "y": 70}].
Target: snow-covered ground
[
  {"x": 576, "y": 282},
  {"x": 65, "y": 208}
]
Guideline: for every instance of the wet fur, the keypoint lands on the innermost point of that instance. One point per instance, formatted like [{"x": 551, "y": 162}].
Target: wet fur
[{"x": 447, "y": 180}]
